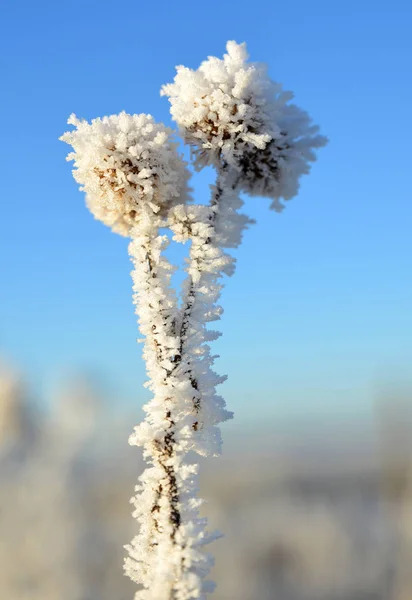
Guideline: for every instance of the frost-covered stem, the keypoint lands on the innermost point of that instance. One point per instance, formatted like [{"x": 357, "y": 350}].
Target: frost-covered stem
[
  {"x": 193, "y": 284},
  {"x": 156, "y": 311},
  {"x": 206, "y": 264},
  {"x": 164, "y": 556},
  {"x": 196, "y": 263}
]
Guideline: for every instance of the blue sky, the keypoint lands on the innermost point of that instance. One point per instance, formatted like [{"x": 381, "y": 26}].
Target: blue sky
[{"x": 319, "y": 311}]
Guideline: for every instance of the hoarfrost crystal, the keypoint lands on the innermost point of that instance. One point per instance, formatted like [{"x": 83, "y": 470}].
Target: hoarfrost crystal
[
  {"x": 127, "y": 165},
  {"x": 231, "y": 113}
]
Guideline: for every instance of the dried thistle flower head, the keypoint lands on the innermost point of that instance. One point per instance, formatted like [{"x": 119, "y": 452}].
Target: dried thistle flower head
[
  {"x": 128, "y": 166},
  {"x": 231, "y": 113}
]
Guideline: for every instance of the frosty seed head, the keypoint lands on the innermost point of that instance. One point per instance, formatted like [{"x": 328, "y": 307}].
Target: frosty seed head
[
  {"x": 128, "y": 166},
  {"x": 232, "y": 114}
]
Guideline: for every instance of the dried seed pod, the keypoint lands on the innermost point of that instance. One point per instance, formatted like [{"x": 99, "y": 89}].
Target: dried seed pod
[
  {"x": 232, "y": 114},
  {"x": 128, "y": 166}
]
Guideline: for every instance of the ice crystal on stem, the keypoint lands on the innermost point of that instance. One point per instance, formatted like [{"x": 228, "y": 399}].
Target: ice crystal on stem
[
  {"x": 166, "y": 554},
  {"x": 236, "y": 119},
  {"x": 210, "y": 230}
]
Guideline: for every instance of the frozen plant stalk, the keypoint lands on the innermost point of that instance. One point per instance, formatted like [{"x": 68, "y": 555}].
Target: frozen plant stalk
[{"x": 240, "y": 122}]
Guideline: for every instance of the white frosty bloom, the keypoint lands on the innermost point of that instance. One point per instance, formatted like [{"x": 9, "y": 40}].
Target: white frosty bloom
[
  {"x": 232, "y": 114},
  {"x": 237, "y": 119},
  {"x": 127, "y": 165}
]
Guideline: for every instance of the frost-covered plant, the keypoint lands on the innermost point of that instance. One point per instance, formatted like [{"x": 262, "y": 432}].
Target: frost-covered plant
[
  {"x": 236, "y": 119},
  {"x": 233, "y": 115},
  {"x": 129, "y": 168}
]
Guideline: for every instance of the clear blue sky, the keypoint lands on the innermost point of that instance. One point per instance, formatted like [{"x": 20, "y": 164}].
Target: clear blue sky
[{"x": 320, "y": 307}]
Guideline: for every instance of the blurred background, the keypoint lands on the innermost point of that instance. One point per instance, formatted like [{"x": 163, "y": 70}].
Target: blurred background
[
  {"x": 309, "y": 513},
  {"x": 313, "y": 491}
]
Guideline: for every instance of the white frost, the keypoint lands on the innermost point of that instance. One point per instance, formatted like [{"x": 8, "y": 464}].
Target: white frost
[
  {"x": 127, "y": 165},
  {"x": 230, "y": 112},
  {"x": 236, "y": 119}
]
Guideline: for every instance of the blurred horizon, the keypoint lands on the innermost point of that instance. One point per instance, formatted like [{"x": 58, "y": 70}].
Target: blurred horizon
[
  {"x": 307, "y": 438},
  {"x": 308, "y": 517}
]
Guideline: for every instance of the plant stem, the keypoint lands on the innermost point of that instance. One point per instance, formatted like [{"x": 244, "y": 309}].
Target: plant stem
[{"x": 160, "y": 557}]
